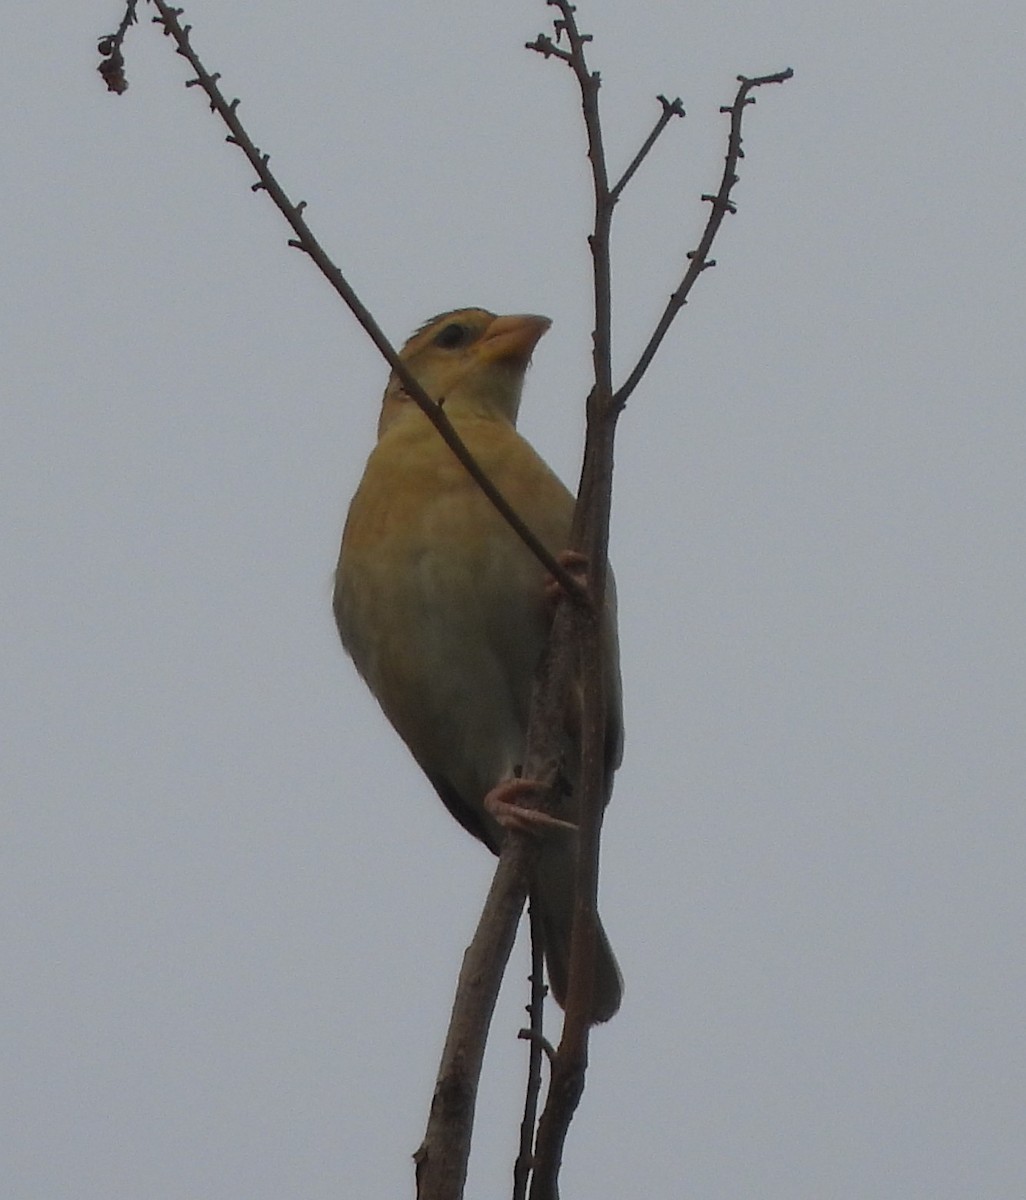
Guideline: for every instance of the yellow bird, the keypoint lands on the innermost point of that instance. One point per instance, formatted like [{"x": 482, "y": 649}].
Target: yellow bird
[{"x": 444, "y": 610}]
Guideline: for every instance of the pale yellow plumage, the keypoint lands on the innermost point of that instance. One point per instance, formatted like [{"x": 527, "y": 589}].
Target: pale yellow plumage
[{"x": 443, "y": 608}]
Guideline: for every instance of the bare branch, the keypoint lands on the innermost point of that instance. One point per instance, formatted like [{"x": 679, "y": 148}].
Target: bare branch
[
  {"x": 722, "y": 204},
  {"x": 589, "y": 83},
  {"x": 545, "y": 45},
  {"x": 671, "y": 108},
  {"x": 535, "y": 1034},
  {"x": 308, "y": 243}
]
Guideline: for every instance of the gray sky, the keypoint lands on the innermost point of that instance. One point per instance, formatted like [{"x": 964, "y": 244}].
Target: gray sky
[{"x": 234, "y": 911}]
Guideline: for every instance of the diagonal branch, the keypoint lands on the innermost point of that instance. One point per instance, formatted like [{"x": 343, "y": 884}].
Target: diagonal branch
[
  {"x": 308, "y": 243},
  {"x": 699, "y": 259},
  {"x": 671, "y": 108}
]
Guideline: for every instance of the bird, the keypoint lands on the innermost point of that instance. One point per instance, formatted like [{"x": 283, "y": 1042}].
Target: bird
[{"x": 445, "y": 612}]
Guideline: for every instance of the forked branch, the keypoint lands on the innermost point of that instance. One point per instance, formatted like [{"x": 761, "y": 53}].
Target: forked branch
[
  {"x": 575, "y": 648},
  {"x": 591, "y": 527}
]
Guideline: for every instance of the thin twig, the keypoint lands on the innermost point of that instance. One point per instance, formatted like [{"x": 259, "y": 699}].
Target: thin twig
[
  {"x": 671, "y": 109},
  {"x": 539, "y": 1046},
  {"x": 545, "y": 45},
  {"x": 699, "y": 259},
  {"x": 308, "y": 243},
  {"x": 589, "y": 83}
]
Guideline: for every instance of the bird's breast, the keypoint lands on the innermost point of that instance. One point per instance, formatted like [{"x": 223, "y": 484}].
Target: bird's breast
[{"x": 441, "y": 608}]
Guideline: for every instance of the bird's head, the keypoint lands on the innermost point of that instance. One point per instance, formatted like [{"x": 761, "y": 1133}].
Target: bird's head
[{"x": 470, "y": 361}]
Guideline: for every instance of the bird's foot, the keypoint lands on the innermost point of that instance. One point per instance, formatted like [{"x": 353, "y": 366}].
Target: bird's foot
[
  {"x": 576, "y": 564},
  {"x": 502, "y": 804}
]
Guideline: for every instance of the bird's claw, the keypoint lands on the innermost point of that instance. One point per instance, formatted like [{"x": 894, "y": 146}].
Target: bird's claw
[{"x": 501, "y": 804}]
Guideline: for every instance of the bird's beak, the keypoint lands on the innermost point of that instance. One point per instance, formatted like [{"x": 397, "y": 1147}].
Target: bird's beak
[{"x": 512, "y": 339}]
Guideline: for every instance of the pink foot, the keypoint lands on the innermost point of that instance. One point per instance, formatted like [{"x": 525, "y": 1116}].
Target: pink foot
[{"x": 501, "y": 803}]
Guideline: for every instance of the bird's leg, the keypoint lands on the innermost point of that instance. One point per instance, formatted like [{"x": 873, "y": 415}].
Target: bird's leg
[
  {"x": 502, "y": 804},
  {"x": 570, "y": 560}
]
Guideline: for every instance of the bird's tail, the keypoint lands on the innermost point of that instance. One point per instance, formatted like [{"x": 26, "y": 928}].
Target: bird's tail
[{"x": 554, "y": 894}]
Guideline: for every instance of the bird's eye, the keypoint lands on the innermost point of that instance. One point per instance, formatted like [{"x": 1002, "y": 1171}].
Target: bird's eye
[{"x": 451, "y": 337}]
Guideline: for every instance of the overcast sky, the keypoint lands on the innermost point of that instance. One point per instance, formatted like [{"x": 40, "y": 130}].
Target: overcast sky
[{"x": 233, "y": 909}]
